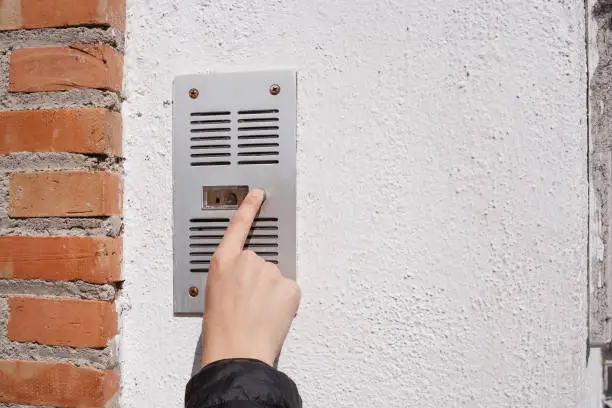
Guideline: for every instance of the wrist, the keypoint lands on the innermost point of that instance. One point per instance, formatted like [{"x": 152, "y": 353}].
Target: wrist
[{"x": 212, "y": 356}]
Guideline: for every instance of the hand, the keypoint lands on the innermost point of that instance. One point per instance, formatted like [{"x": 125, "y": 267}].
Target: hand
[{"x": 249, "y": 304}]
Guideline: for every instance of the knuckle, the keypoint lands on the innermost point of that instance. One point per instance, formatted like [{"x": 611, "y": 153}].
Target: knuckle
[
  {"x": 295, "y": 291},
  {"x": 251, "y": 258},
  {"x": 249, "y": 255},
  {"x": 239, "y": 218},
  {"x": 273, "y": 270},
  {"x": 215, "y": 261}
]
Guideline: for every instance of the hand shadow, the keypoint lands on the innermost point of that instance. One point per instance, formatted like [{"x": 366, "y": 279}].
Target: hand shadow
[{"x": 197, "y": 357}]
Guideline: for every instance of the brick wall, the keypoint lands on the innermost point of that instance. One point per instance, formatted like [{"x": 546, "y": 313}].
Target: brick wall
[{"x": 61, "y": 67}]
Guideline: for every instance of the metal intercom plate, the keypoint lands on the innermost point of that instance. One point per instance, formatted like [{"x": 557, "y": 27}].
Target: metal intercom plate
[{"x": 231, "y": 132}]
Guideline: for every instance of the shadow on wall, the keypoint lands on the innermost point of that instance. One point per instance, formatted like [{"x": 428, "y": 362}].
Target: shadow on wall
[{"x": 197, "y": 357}]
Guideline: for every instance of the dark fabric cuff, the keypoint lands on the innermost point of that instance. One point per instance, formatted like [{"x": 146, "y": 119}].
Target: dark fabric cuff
[{"x": 241, "y": 383}]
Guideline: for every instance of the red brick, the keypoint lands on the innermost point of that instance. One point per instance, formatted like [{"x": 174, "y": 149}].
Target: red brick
[
  {"x": 62, "y": 322},
  {"x": 90, "y": 259},
  {"x": 61, "y": 130},
  {"x": 63, "y": 68},
  {"x": 64, "y": 13},
  {"x": 60, "y": 384},
  {"x": 65, "y": 194},
  {"x": 16, "y": 14},
  {"x": 10, "y": 15}
]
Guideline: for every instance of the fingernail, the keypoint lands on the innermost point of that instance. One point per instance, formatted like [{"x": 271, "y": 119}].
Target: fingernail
[{"x": 259, "y": 193}]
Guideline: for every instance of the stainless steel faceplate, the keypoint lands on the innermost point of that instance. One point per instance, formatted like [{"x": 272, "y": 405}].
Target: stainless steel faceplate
[{"x": 229, "y": 131}]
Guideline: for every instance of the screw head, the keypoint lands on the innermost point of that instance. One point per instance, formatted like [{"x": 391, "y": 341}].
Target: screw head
[
  {"x": 275, "y": 89},
  {"x": 193, "y": 93},
  {"x": 193, "y": 291}
]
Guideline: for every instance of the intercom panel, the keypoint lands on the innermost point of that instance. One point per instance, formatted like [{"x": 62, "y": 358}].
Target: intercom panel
[{"x": 231, "y": 132}]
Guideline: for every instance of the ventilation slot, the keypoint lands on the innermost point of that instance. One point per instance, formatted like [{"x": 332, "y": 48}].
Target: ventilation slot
[
  {"x": 258, "y": 136},
  {"x": 210, "y": 138},
  {"x": 205, "y": 234}
]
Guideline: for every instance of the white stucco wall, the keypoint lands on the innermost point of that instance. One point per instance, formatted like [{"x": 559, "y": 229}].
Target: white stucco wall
[{"x": 442, "y": 197}]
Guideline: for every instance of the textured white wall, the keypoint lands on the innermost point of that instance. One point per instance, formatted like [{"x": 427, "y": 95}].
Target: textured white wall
[{"x": 441, "y": 190}]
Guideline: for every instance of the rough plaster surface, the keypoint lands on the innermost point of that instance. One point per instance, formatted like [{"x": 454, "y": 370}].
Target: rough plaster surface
[
  {"x": 442, "y": 197},
  {"x": 593, "y": 392}
]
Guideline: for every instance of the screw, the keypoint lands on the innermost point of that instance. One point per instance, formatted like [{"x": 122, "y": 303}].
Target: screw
[
  {"x": 275, "y": 89},
  {"x": 193, "y": 291},
  {"x": 193, "y": 93}
]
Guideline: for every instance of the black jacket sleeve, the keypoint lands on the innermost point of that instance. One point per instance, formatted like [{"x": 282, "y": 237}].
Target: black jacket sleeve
[{"x": 241, "y": 383}]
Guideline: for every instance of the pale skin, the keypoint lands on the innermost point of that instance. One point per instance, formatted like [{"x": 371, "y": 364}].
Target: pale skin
[{"x": 250, "y": 305}]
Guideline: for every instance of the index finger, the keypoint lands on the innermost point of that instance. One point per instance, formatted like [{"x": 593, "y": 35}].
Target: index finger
[{"x": 240, "y": 224}]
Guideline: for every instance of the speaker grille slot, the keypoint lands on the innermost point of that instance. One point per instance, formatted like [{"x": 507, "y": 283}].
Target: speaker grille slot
[
  {"x": 258, "y": 135},
  {"x": 207, "y": 130},
  {"x": 205, "y": 234}
]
